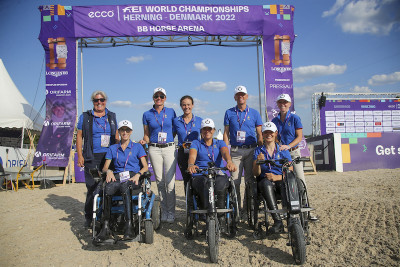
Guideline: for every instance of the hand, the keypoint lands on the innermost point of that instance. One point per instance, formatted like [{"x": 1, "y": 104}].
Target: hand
[
  {"x": 110, "y": 177},
  {"x": 284, "y": 147},
  {"x": 142, "y": 142},
  {"x": 269, "y": 176},
  {"x": 260, "y": 156},
  {"x": 81, "y": 161},
  {"x": 135, "y": 178},
  {"x": 231, "y": 167},
  {"x": 192, "y": 169}
]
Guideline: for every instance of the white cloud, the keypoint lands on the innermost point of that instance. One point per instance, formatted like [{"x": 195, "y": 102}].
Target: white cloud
[
  {"x": 201, "y": 109},
  {"x": 360, "y": 89},
  {"x": 301, "y": 74},
  {"x": 385, "y": 79},
  {"x": 366, "y": 16},
  {"x": 137, "y": 59},
  {"x": 212, "y": 86},
  {"x": 120, "y": 103},
  {"x": 200, "y": 66},
  {"x": 305, "y": 92}
]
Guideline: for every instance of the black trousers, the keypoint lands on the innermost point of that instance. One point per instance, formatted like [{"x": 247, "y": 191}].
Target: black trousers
[
  {"x": 183, "y": 165},
  {"x": 114, "y": 187},
  {"x": 91, "y": 185},
  {"x": 200, "y": 188}
]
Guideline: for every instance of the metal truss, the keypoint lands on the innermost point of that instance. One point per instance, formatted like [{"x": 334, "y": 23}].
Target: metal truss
[
  {"x": 160, "y": 41},
  {"x": 316, "y": 123}
]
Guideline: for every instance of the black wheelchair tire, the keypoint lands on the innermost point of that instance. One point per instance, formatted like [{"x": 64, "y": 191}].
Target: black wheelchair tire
[
  {"x": 212, "y": 238},
  {"x": 148, "y": 232},
  {"x": 298, "y": 243},
  {"x": 156, "y": 213},
  {"x": 250, "y": 209}
]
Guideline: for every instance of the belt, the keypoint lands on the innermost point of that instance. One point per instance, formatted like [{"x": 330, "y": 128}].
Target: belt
[
  {"x": 162, "y": 145},
  {"x": 245, "y": 146},
  {"x": 293, "y": 148}
]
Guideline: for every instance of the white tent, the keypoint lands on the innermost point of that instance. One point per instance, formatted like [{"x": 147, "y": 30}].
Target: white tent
[{"x": 15, "y": 111}]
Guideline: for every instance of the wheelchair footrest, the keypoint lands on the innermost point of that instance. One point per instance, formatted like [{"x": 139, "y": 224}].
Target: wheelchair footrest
[
  {"x": 206, "y": 211},
  {"x": 277, "y": 211}
]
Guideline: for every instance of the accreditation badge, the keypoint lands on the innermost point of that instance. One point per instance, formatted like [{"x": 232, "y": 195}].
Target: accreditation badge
[
  {"x": 241, "y": 136},
  {"x": 162, "y": 137},
  {"x": 105, "y": 140},
  {"x": 124, "y": 176}
]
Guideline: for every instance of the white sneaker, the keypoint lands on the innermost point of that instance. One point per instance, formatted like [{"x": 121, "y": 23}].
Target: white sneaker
[{"x": 170, "y": 218}]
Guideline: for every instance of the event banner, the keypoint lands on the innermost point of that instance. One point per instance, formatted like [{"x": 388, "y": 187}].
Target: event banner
[
  {"x": 62, "y": 25},
  {"x": 59, "y": 43},
  {"x": 360, "y": 116},
  {"x": 364, "y": 151}
]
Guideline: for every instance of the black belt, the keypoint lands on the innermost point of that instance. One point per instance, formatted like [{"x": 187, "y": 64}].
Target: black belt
[
  {"x": 245, "y": 146},
  {"x": 162, "y": 145},
  {"x": 293, "y": 148}
]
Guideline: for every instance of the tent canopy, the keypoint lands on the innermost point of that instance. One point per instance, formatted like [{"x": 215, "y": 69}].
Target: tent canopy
[{"x": 15, "y": 111}]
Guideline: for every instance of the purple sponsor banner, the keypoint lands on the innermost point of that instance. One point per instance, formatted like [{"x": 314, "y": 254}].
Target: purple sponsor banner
[
  {"x": 371, "y": 152},
  {"x": 360, "y": 116},
  {"x": 79, "y": 171},
  {"x": 57, "y": 38}
]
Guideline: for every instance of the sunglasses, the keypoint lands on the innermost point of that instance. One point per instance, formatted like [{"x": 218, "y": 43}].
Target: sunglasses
[
  {"x": 159, "y": 96},
  {"x": 99, "y": 99}
]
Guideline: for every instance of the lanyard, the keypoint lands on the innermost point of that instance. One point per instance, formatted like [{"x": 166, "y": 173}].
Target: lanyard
[
  {"x": 163, "y": 116},
  {"x": 191, "y": 126},
  {"x": 268, "y": 156},
  {"x": 210, "y": 155},
  {"x": 237, "y": 114},
  {"x": 101, "y": 126},
  {"x": 126, "y": 157},
  {"x": 283, "y": 126}
]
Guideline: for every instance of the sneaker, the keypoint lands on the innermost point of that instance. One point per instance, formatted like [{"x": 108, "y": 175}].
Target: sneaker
[
  {"x": 313, "y": 218},
  {"x": 170, "y": 218}
]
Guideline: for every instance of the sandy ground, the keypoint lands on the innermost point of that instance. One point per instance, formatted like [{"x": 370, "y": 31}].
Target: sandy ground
[{"x": 359, "y": 226}]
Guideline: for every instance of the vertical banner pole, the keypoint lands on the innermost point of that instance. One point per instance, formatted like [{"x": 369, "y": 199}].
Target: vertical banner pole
[
  {"x": 82, "y": 74},
  {"x": 265, "y": 86},
  {"x": 258, "y": 74}
]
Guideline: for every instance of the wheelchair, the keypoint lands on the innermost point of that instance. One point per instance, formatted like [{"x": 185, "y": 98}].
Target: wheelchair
[
  {"x": 194, "y": 214},
  {"x": 146, "y": 211},
  {"x": 295, "y": 209}
]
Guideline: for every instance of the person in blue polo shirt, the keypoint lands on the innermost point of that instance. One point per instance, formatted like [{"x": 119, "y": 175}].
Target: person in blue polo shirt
[
  {"x": 130, "y": 162},
  {"x": 159, "y": 134},
  {"x": 202, "y": 152},
  {"x": 290, "y": 134},
  {"x": 269, "y": 177},
  {"x": 243, "y": 133},
  {"x": 97, "y": 130},
  {"x": 188, "y": 129}
]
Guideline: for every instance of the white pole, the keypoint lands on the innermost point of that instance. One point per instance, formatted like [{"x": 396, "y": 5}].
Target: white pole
[
  {"x": 82, "y": 74},
  {"x": 265, "y": 93},
  {"x": 258, "y": 73}
]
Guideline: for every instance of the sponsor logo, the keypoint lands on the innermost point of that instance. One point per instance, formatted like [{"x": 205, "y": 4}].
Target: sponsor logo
[
  {"x": 280, "y": 86},
  {"x": 56, "y": 73},
  {"x": 132, "y": 9},
  {"x": 101, "y": 14},
  {"x": 38, "y": 154},
  {"x": 281, "y": 69},
  {"x": 61, "y": 123},
  {"x": 46, "y": 123}
]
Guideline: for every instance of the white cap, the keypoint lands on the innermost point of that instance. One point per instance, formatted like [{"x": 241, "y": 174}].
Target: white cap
[
  {"x": 125, "y": 123},
  {"x": 269, "y": 126},
  {"x": 240, "y": 89},
  {"x": 160, "y": 89},
  {"x": 285, "y": 97},
  {"x": 207, "y": 123}
]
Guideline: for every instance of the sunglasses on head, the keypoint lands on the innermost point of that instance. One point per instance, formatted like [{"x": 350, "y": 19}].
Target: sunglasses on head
[
  {"x": 99, "y": 99},
  {"x": 159, "y": 96}
]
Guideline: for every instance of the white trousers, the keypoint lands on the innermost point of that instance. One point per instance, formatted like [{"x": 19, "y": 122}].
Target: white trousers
[
  {"x": 163, "y": 161},
  {"x": 298, "y": 168}
]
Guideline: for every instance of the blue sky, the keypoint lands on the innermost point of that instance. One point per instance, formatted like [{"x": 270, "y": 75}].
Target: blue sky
[{"x": 342, "y": 46}]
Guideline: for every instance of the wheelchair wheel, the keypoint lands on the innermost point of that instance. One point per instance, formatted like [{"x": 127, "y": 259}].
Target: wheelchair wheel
[
  {"x": 156, "y": 213},
  {"x": 148, "y": 232},
  {"x": 297, "y": 242},
  {"x": 213, "y": 239},
  {"x": 250, "y": 204},
  {"x": 233, "y": 217},
  {"x": 189, "y": 216},
  {"x": 304, "y": 204}
]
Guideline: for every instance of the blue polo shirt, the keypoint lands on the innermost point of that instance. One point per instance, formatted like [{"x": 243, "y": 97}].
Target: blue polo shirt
[
  {"x": 206, "y": 154},
  {"x": 131, "y": 157},
  {"x": 269, "y": 168},
  {"x": 287, "y": 129},
  {"x": 239, "y": 120},
  {"x": 187, "y": 132},
  {"x": 101, "y": 126},
  {"x": 157, "y": 123}
]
